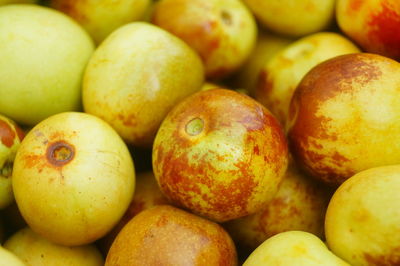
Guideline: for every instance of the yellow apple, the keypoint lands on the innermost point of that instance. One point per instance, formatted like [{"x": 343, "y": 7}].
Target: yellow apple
[
  {"x": 33, "y": 249},
  {"x": 363, "y": 218},
  {"x": 293, "y": 18},
  {"x": 136, "y": 76},
  {"x": 100, "y": 18},
  {"x": 223, "y": 32},
  {"x": 10, "y": 138},
  {"x": 299, "y": 204},
  {"x": 220, "y": 154},
  {"x": 373, "y": 24},
  {"x": 73, "y": 178},
  {"x": 344, "y": 116},
  {"x": 43, "y": 55},
  {"x": 9, "y": 259},
  {"x": 294, "y": 248},
  {"x": 165, "y": 235},
  {"x": 279, "y": 77}
]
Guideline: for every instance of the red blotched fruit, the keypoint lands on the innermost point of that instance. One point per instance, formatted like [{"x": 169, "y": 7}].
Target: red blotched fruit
[
  {"x": 220, "y": 154},
  {"x": 373, "y": 24},
  {"x": 344, "y": 116},
  {"x": 165, "y": 235}
]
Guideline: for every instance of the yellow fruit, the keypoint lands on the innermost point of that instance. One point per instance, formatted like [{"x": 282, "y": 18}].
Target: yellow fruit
[
  {"x": 9, "y": 259},
  {"x": 220, "y": 154},
  {"x": 136, "y": 76},
  {"x": 73, "y": 178}
]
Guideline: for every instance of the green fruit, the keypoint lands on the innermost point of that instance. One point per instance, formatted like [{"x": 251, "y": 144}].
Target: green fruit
[
  {"x": 43, "y": 54},
  {"x": 73, "y": 178},
  {"x": 136, "y": 76}
]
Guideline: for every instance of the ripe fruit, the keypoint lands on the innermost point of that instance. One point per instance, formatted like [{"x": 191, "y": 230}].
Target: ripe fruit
[
  {"x": 222, "y": 32},
  {"x": 5, "y": 2},
  {"x": 9, "y": 259},
  {"x": 43, "y": 54},
  {"x": 294, "y": 248},
  {"x": 100, "y": 18},
  {"x": 344, "y": 116},
  {"x": 293, "y": 18},
  {"x": 73, "y": 178},
  {"x": 220, "y": 154},
  {"x": 363, "y": 218},
  {"x": 10, "y": 138},
  {"x": 33, "y": 249},
  {"x": 373, "y": 24},
  {"x": 280, "y": 75},
  {"x": 299, "y": 204},
  {"x": 165, "y": 235},
  {"x": 136, "y": 76}
]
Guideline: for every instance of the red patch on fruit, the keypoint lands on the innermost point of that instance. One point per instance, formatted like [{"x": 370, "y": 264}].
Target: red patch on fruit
[
  {"x": 355, "y": 5},
  {"x": 7, "y": 134},
  {"x": 384, "y": 33}
]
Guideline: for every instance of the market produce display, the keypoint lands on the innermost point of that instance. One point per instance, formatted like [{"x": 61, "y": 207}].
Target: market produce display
[{"x": 199, "y": 132}]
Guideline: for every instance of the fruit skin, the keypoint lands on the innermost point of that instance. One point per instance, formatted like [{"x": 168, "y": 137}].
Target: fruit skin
[
  {"x": 147, "y": 194},
  {"x": 73, "y": 178},
  {"x": 373, "y": 24},
  {"x": 293, "y": 18},
  {"x": 300, "y": 204},
  {"x": 344, "y": 116},
  {"x": 43, "y": 55},
  {"x": 266, "y": 47},
  {"x": 222, "y": 32},
  {"x": 280, "y": 76},
  {"x": 9, "y": 259},
  {"x": 96, "y": 18},
  {"x": 294, "y": 248},
  {"x": 169, "y": 236},
  {"x": 220, "y": 154},
  {"x": 363, "y": 217},
  {"x": 6, "y": 2},
  {"x": 36, "y": 250},
  {"x": 10, "y": 138},
  {"x": 136, "y": 76}
]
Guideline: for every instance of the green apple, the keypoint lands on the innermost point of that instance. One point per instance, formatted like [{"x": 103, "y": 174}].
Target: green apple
[
  {"x": 165, "y": 235},
  {"x": 220, "y": 154},
  {"x": 293, "y": 18},
  {"x": 136, "y": 76},
  {"x": 9, "y": 259},
  {"x": 295, "y": 248},
  {"x": 73, "y": 178},
  {"x": 33, "y": 249},
  {"x": 10, "y": 138},
  {"x": 279, "y": 77},
  {"x": 344, "y": 117},
  {"x": 373, "y": 24},
  {"x": 363, "y": 218},
  {"x": 100, "y": 18},
  {"x": 223, "y": 32},
  {"x": 43, "y": 55}
]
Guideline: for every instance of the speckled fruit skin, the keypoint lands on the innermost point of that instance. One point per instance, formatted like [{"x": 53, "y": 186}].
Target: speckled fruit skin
[
  {"x": 10, "y": 139},
  {"x": 165, "y": 235},
  {"x": 299, "y": 204},
  {"x": 279, "y": 77},
  {"x": 43, "y": 56},
  {"x": 136, "y": 76},
  {"x": 147, "y": 194},
  {"x": 293, "y": 18},
  {"x": 344, "y": 116},
  {"x": 373, "y": 24},
  {"x": 33, "y": 249},
  {"x": 220, "y": 154},
  {"x": 223, "y": 32},
  {"x": 293, "y": 248},
  {"x": 363, "y": 218},
  {"x": 73, "y": 178},
  {"x": 100, "y": 18}
]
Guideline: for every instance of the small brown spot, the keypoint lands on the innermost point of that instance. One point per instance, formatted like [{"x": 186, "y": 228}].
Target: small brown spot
[
  {"x": 7, "y": 134},
  {"x": 226, "y": 17},
  {"x": 60, "y": 153}
]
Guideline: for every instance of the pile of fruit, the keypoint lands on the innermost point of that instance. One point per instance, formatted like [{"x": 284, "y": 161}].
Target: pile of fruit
[{"x": 199, "y": 132}]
